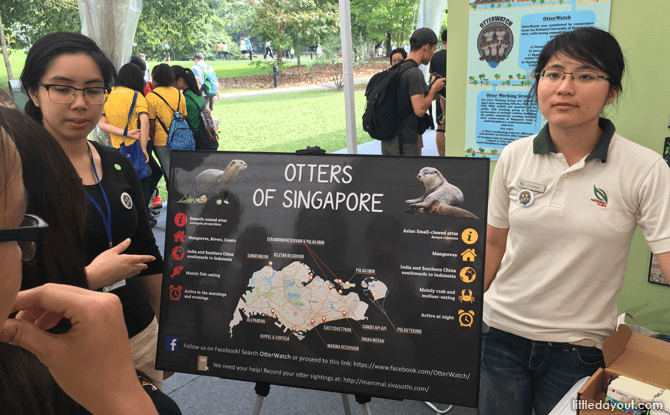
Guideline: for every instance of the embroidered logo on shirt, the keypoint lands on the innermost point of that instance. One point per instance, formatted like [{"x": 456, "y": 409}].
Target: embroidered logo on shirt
[{"x": 601, "y": 197}]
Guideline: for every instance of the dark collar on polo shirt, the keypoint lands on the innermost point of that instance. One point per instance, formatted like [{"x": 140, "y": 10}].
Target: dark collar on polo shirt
[{"x": 542, "y": 143}]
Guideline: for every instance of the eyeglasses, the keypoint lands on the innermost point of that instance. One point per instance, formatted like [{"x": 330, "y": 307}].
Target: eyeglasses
[
  {"x": 579, "y": 77},
  {"x": 63, "y": 94},
  {"x": 31, "y": 232}
]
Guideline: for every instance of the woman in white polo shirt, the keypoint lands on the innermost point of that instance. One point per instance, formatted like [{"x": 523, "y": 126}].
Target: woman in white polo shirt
[{"x": 563, "y": 209}]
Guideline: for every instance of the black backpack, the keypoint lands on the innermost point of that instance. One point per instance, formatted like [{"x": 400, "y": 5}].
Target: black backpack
[
  {"x": 381, "y": 114},
  {"x": 206, "y": 137}
]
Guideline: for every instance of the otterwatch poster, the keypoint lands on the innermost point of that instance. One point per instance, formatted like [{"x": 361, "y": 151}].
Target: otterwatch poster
[
  {"x": 345, "y": 273},
  {"x": 505, "y": 39}
]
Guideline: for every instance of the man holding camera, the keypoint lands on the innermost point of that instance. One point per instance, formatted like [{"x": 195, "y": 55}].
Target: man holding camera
[{"x": 414, "y": 96}]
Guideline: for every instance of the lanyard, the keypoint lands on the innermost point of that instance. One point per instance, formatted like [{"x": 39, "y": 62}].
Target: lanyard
[{"x": 107, "y": 220}]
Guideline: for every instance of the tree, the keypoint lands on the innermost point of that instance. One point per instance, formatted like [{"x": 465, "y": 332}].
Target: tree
[
  {"x": 277, "y": 20},
  {"x": 188, "y": 26},
  {"x": 497, "y": 76},
  {"x": 5, "y": 55},
  {"x": 390, "y": 20}
]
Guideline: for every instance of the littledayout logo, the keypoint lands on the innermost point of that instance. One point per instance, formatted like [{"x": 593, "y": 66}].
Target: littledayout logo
[{"x": 601, "y": 197}]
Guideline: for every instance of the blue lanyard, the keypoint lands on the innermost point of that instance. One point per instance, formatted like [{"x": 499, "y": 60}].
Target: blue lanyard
[{"x": 108, "y": 219}]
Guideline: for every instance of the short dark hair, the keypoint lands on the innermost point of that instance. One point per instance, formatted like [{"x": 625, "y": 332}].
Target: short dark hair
[
  {"x": 444, "y": 35},
  {"x": 139, "y": 62},
  {"x": 50, "y": 47},
  {"x": 162, "y": 75},
  {"x": 588, "y": 45},
  {"x": 131, "y": 76},
  {"x": 187, "y": 75},
  {"x": 401, "y": 51}
]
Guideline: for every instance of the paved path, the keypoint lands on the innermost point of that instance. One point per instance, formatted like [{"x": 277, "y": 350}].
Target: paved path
[{"x": 271, "y": 91}]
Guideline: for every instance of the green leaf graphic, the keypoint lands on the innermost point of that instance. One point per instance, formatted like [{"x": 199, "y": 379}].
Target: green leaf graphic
[{"x": 600, "y": 194}]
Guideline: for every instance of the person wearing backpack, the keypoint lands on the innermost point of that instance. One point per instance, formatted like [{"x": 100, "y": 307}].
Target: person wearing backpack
[
  {"x": 207, "y": 80},
  {"x": 199, "y": 117},
  {"x": 414, "y": 96},
  {"x": 163, "y": 102}
]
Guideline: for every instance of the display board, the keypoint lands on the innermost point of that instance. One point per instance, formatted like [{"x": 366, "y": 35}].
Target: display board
[
  {"x": 505, "y": 39},
  {"x": 352, "y": 274}
]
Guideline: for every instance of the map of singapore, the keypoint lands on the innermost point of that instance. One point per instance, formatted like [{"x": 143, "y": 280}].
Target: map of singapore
[{"x": 299, "y": 300}]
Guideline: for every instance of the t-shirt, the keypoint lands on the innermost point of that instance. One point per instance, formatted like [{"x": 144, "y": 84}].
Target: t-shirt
[
  {"x": 193, "y": 108},
  {"x": 248, "y": 42},
  {"x": 243, "y": 45},
  {"x": 199, "y": 72},
  {"x": 411, "y": 83},
  {"x": 225, "y": 47},
  {"x": 438, "y": 63},
  {"x": 218, "y": 47},
  {"x": 119, "y": 178},
  {"x": 116, "y": 111},
  {"x": 267, "y": 44},
  {"x": 158, "y": 110}
]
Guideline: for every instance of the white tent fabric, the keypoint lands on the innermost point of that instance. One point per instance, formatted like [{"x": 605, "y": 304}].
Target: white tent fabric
[{"x": 112, "y": 24}]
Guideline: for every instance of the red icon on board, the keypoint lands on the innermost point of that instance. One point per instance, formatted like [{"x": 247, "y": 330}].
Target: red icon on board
[
  {"x": 176, "y": 271},
  {"x": 175, "y": 293},
  {"x": 178, "y": 253},
  {"x": 180, "y": 219},
  {"x": 179, "y": 236}
]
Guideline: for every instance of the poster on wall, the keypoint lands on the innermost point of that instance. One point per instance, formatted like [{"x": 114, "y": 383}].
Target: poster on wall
[
  {"x": 504, "y": 40},
  {"x": 345, "y": 273}
]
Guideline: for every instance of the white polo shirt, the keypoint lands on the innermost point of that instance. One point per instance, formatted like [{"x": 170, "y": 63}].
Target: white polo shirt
[{"x": 567, "y": 251}]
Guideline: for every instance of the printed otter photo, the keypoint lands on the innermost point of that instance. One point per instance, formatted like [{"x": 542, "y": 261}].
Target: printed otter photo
[
  {"x": 440, "y": 198},
  {"x": 213, "y": 183}
]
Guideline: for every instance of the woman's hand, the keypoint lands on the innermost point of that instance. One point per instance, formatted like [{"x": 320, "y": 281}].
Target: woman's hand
[
  {"x": 112, "y": 266},
  {"x": 92, "y": 362},
  {"x": 134, "y": 134}
]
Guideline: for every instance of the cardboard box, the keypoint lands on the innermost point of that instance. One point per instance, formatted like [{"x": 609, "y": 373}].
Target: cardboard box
[{"x": 629, "y": 354}]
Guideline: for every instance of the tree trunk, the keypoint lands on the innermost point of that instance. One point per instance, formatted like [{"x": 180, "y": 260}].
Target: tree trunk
[
  {"x": 388, "y": 44},
  {"x": 280, "y": 57},
  {"x": 4, "y": 52},
  {"x": 298, "y": 54}
]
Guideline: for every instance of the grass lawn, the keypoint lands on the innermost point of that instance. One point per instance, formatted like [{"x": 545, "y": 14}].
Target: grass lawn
[
  {"x": 17, "y": 59},
  {"x": 285, "y": 123}
]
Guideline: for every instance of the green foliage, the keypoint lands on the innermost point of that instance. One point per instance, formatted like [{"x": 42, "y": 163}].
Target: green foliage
[
  {"x": 278, "y": 20},
  {"x": 25, "y": 21},
  {"x": 376, "y": 19}
]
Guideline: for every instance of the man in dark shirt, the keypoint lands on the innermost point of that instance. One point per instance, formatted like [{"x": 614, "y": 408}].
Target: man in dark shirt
[
  {"x": 439, "y": 65},
  {"x": 413, "y": 94}
]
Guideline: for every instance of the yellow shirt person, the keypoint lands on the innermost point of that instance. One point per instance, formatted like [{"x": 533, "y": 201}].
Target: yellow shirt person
[
  {"x": 116, "y": 112},
  {"x": 158, "y": 110}
]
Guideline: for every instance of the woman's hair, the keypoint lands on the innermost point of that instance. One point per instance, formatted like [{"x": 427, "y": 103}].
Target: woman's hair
[
  {"x": 56, "y": 194},
  {"x": 131, "y": 77},
  {"x": 588, "y": 45},
  {"x": 162, "y": 75},
  {"x": 187, "y": 75},
  {"x": 401, "y": 51},
  {"x": 50, "y": 47}
]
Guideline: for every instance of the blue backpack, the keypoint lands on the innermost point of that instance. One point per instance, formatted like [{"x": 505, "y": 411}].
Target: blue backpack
[
  {"x": 211, "y": 86},
  {"x": 179, "y": 136}
]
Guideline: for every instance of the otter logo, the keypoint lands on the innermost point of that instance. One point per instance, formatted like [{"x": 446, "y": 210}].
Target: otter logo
[{"x": 601, "y": 197}]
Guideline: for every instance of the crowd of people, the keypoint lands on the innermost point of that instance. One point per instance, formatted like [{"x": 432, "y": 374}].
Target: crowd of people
[{"x": 79, "y": 330}]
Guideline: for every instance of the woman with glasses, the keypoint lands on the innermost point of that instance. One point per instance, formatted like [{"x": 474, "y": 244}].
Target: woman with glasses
[
  {"x": 67, "y": 78},
  {"x": 103, "y": 381},
  {"x": 563, "y": 208}
]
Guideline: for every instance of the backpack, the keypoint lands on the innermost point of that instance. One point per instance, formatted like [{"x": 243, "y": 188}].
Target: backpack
[
  {"x": 381, "y": 112},
  {"x": 206, "y": 137},
  {"x": 180, "y": 136},
  {"x": 211, "y": 86}
]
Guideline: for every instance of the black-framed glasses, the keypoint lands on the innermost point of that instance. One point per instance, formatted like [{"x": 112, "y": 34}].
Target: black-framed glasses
[
  {"x": 63, "y": 94},
  {"x": 32, "y": 232},
  {"x": 579, "y": 77}
]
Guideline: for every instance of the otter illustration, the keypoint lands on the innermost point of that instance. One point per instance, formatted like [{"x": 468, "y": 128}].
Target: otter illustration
[
  {"x": 489, "y": 33},
  {"x": 441, "y": 198},
  {"x": 494, "y": 51},
  {"x": 500, "y": 33},
  {"x": 485, "y": 48},
  {"x": 214, "y": 182},
  {"x": 504, "y": 44}
]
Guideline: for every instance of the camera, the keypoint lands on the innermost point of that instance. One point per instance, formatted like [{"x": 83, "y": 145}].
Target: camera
[{"x": 434, "y": 76}]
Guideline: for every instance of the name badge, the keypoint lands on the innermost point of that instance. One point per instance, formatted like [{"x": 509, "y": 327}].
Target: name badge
[
  {"x": 536, "y": 187},
  {"x": 119, "y": 284}
]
